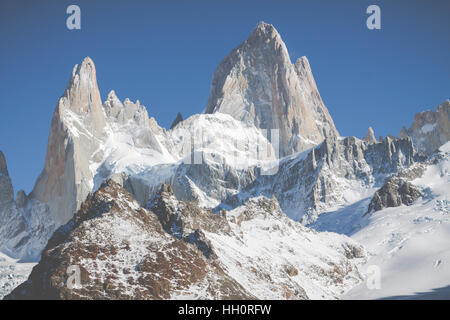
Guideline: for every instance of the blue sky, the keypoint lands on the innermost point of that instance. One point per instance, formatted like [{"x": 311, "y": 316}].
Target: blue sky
[{"x": 164, "y": 53}]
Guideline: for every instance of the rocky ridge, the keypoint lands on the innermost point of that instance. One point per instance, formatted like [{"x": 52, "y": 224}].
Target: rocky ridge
[{"x": 178, "y": 250}]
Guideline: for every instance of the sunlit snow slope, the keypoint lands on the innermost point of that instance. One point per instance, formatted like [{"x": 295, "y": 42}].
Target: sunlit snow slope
[{"x": 409, "y": 244}]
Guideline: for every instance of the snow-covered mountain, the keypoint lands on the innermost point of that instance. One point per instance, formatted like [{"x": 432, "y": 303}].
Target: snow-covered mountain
[{"x": 241, "y": 181}]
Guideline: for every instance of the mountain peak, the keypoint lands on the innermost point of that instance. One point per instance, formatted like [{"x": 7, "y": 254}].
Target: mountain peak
[
  {"x": 85, "y": 71},
  {"x": 257, "y": 83},
  {"x": 64, "y": 181},
  {"x": 265, "y": 30},
  {"x": 370, "y": 136},
  {"x": 82, "y": 94},
  {"x": 177, "y": 120},
  {"x": 267, "y": 39},
  {"x": 112, "y": 95}
]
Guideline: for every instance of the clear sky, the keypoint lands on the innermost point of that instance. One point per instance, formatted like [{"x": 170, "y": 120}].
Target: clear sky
[{"x": 164, "y": 53}]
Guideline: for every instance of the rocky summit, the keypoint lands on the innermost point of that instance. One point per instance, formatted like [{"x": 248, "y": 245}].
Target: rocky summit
[{"x": 258, "y": 83}]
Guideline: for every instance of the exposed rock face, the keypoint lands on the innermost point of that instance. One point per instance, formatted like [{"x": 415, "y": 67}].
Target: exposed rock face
[
  {"x": 258, "y": 83},
  {"x": 431, "y": 129},
  {"x": 394, "y": 193},
  {"x": 77, "y": 126},
  {"x": 370, "y": 136},
  {"x": 124, "y": 251},
  {"x": 177, "y": 120}
]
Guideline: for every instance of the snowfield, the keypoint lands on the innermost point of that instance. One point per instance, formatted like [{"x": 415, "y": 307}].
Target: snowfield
[
  {"x": 409, "y": 244},
  {"x": 12, "y": 273}
]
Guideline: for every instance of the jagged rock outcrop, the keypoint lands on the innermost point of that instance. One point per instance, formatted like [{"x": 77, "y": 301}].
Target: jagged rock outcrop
[
  {"x": 131, "y": 120},
  {"x": 403, "y": 133},
  {"x": 258, "y": 83},
  {"x": 394, "y": 193},
  {"x": 313, "y": 181},
  {"x": 177, "y": 120},
  {"x": 127, "y": 111},
  {"x": 176, "y": 249},
  {"x": 370, "y": 136},
  {"x": 400, "y": 189},
  {"x": 431, "y": 129}
]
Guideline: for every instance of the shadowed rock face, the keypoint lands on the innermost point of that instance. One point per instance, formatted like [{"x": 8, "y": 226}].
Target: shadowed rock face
[
  {"x": 258, "y": 83},
  {"x": 6, "y": 189},
  {"x": 394, "y": 193},
  {"x": 177, "y": 120}
]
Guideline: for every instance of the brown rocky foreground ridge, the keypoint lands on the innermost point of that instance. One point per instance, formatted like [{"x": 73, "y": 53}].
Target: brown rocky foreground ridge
[{"x": 175, "y": 250}]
